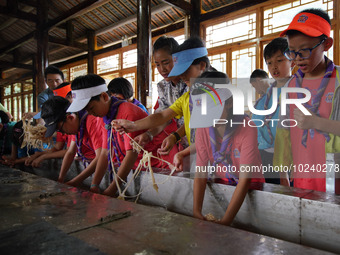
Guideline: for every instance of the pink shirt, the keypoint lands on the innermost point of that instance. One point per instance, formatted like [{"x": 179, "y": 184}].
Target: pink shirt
[
  {"x": 312, "y": 156},
  {"x": 244, "y": 150}
]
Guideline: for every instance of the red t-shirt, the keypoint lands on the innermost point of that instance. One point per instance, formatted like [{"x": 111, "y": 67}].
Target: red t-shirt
[
  {"x": 244, "y": 151},
  {"x": 312, "y": 156},
  {"x": 132, "y": 112},
  {"x": 65, "y": 138},
  {"x": 92, "y": 139}
]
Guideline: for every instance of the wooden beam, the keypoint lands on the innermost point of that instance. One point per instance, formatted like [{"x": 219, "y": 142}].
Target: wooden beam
[
  {"x": 10, "y": 21},
  {"x": 195, "y": 18},
  {"x": 31, "y": 3},
  {"x": 27, "y": 38},
  {"x": 15, "y": 13},
  {"x": 67, "y": 43},
  {"x": 69, "y": 31},
  {"x": 8, "y": 64},
  {"x": 76, "y": 11},
  {"x": 181, "y": 4},
  {"x": 130, "y": 19},
  {"x": 42, "y": 45},
  {"x": 92, "y": 45},
  {"x": 143, "y": 49},
  {"x": 229, "y": 9}
]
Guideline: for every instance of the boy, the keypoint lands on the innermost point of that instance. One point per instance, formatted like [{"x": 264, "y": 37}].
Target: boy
[
  {"x": 279, "y": 68},
  {"x": 121, "y": 88},
  {"x": 89, "y": 92},
  {"x": 303, "y": 145},
  {"x": 86, "y": 140},
  {"x": 58, "y": 151},
  {"x": 260, "y": 81}
]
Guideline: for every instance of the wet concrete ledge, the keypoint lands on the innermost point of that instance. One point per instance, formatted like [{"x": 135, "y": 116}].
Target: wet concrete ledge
[
  {"x": 295, "y": 215},
  {"x": 41, "y": 216}
]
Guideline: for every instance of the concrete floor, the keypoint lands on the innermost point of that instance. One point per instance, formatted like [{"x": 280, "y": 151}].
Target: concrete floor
[{"x": 41, "y": 216}]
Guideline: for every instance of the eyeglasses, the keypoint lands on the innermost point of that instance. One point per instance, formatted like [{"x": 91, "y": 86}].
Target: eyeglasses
[
  {"x": 61, "y": 127},
  {"x": 303, "y": 53}
]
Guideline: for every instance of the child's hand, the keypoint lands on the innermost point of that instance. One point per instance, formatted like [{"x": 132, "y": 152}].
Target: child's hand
[
  {"x": 142, "y": 139},
  {"x": 95, "y": 189},
  {"x": 29, "y": 161},
  {"x": 73, "y": 183},
  {"x": 198, "y": 215},
  {"x": 36, "y": 162},
  {"x": 61, "y": 179},
  {"x": 178, "y": 161},
  {"x": 167, "y": 144},
  {"x": 305, "y": 121},
  {"x": 8, "y": 161},
  {"x": 123, "y": 126}
]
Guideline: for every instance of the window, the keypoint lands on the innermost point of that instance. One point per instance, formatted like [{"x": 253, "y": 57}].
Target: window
[
  {"x": 131, "y": 77},
  {"x": 243, "y": 63},
  {"x": 130, "y": 58},
  {"x": 278, "y": 17},
  {"x": 108, "y": 64},
  {"x": 65, "y": 72},
  {"x": 218, "y": 61},
  {"x": 231, "y": 31},
  {"x": 18, "y": 98},
  {"x": 78, "y": 71}
]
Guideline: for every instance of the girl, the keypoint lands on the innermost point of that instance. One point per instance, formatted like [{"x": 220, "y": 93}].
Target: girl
[{"x": 190, "y": 61}]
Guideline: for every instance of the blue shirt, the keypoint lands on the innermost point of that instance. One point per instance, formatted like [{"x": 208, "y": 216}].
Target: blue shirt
[{"x": 263, "y": 137}]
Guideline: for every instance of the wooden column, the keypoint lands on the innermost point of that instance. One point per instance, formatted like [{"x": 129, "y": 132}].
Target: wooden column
[
  {"x": 42, "y": 45},
  {"x": 35, "y": 105},
  {"x": 91, "y": 42},
  {"x": 195, "y": 18},
  {"x": 143, "y": 49}
]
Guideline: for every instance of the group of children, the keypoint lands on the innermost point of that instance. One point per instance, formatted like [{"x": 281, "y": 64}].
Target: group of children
[{"x": 101, "y": 120}]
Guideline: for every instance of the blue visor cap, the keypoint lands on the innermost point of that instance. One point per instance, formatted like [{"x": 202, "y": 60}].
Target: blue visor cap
[
  {"x": 183, "y": 59},
  {"x": 37, "y": 116}
]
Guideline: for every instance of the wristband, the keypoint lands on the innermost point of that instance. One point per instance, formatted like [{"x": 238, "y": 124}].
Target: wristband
[
  {"x": 177, "y": 136},
  {"x": 93, "y": 185},
  {"x": 150, "y": 135}
]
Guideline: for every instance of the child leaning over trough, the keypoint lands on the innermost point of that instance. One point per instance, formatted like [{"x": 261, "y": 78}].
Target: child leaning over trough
[
  {"x": 86, "y": 136},
  {"x": 89, "y": 92},
  {"x": 230, "y": 149}
]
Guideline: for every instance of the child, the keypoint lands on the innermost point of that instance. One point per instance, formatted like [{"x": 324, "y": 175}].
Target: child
[
  {"x": 308, "y": 37},
  {"x": 190, "y": 61},
  {"x": 232, "y": 147},
  {"x": 86, "y": 140},
  {"x": 89, "y": 92},
  {"x": 121, "y": 88},
  {"x": 169, "y": 90},
  {"x": 58, "y": 151},
  {"x": 260, "y": 81},
  {"x": 279, "y": 68},
  {"x": 6, "y": 129}
]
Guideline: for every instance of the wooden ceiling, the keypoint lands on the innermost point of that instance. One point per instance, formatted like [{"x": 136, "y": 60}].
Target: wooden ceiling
[{"x": 72, "y": 19}]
